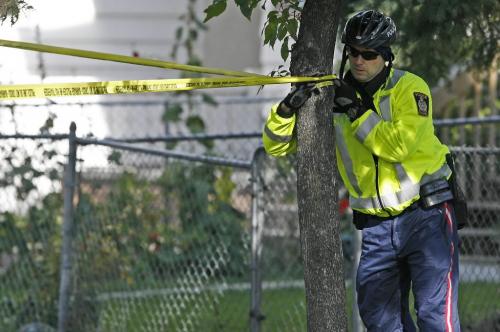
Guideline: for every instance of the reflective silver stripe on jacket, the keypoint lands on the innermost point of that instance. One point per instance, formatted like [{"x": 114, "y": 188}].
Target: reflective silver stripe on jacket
[
  {"x": 385, "y": 107},
  {"x": 277, "y": 138},
  {"x": 405, "y": 182},
  {"x": 443, "y": 173},
  {"x": 408, "y": 189},
  {"x": 364, "y": 203},
  {"x": 367, "y": 126},
  {"x": 395, "y": 78},
  {"x": 389, "y": 200},
  {"x": 346, "y": 159},
  {"x": 384, "y": 103}
]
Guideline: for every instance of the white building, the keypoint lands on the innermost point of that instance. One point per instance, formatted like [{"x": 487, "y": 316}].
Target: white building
[{"x": 147, "y": 29}]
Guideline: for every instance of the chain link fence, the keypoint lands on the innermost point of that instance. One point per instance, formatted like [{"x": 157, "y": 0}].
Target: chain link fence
[
  {"x": 185, "y": 242},
  {"x": 30, "y": 238},
  {"x": 478, "y": 171},
  {"x": 154, "y": 241},
  {"x": 161, "y": 244}
]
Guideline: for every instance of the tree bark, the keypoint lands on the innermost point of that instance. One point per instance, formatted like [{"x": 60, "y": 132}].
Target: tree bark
[{"x": 317, "y": 183}]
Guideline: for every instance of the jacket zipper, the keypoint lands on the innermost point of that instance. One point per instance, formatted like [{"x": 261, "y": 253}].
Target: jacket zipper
[{"x": 375, "y": 159}]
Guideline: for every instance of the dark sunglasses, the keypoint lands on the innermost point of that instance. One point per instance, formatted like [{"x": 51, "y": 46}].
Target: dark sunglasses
[{"x": 367, "y": 55}]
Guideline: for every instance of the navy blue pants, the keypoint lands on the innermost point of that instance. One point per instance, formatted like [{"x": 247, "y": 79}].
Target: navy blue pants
[{"x": 417, "y": 250}]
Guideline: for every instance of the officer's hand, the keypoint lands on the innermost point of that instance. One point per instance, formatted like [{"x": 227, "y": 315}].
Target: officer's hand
[
  {"x": 345, "y": 97},
  {"x": 300, "y": 93},
  {"x": 346, "y": 100}
]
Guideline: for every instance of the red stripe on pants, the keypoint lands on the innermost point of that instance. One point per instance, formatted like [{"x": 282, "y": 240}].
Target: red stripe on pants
[{"x": 449, "y": 291}]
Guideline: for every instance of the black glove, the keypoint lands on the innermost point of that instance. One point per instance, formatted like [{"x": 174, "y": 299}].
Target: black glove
[
  {"x": 300, "y": 93},
  {"x": 346, "y": 100}
]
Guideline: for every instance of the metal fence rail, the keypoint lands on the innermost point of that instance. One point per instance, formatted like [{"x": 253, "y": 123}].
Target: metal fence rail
[
  {"x": 163, "y": 240},
  {"x": 133, "y": 120}
]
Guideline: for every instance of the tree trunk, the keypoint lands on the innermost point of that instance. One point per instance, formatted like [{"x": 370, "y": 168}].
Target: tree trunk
[{"x": 317, "y": 184}]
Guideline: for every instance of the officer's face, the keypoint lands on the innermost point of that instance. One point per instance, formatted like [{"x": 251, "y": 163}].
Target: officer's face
[{"x": 364, "y": 69}]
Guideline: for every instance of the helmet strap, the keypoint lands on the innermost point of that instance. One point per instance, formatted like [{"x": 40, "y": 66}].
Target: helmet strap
[
  {"x": 389, "y": 66},
  {"x": 343, "y": 62}
]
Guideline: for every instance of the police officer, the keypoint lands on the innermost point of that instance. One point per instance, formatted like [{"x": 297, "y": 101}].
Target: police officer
[{"x": 395, "y": 170}]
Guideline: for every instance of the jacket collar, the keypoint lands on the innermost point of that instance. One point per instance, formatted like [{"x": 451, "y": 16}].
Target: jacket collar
[{"x": 372, "y": 86}]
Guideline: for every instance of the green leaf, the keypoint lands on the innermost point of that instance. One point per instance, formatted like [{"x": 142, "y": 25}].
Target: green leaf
[
  {"x": 172, "y": 113},
  {"x": 285, "y": 13},
  {"x": 282, "y": 31},
  {"x": 246, "y": 7},
  {"x": 292, "y": 26},
  {"x": 49, "y": 124},
  {"x": 208, "y": 143},
  {"x": 49, "y": 154},
  {"x": 295, "y": 5},
  {"x": 36, "y": 173},
  {"x": 26, "y": 187},
  {"x": 272, "y": 14},
  {"x": 54, "y": 174},
  {"x": 284, "y": 49},
  {"x": 170, "y": 145},
  {"x": 115, "y": 158},
  {"x": 224, "y": 186},
  {"x": 208, "y": 99},
  {"x": 195, "y": 124},
  {"x": 270, "y": 32},
  {"x": 215, "y": 9}
]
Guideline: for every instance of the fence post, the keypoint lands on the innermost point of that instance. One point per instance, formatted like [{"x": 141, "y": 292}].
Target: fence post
[
  {"x": 257, "y": 227},
  {"x": 67, "y": 233},
  {"x": 492, "y": 100}
]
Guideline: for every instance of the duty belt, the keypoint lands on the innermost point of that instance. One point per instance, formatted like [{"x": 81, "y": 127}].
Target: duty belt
[{"x": 435, "y": 192}]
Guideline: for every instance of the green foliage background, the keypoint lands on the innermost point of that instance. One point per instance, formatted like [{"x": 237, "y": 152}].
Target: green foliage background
[
  {"x": 131, "y": 234},
  {"x": 434, "y": 37}
]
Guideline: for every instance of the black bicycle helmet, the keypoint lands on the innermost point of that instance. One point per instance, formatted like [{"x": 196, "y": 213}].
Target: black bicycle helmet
[{"x": 369, "y": 29}]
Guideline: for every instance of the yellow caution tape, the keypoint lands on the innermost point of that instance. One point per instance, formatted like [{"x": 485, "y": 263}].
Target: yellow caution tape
[
  {"x": 120, "y": 58},
  {"x": 10, "y": 92},
  {"x": 233, "y": 79}
]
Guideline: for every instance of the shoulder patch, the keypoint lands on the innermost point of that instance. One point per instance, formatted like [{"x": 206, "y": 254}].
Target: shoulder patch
[{"x": 422, "y": 101}]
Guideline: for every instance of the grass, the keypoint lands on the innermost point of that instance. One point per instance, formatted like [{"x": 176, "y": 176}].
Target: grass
[
  {"x": 211, "y": 311},
  {"x": 478, "y": 301},
  {"x": 284, "y": 310}
]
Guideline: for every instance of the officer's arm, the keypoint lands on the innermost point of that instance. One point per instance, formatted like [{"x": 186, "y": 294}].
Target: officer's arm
[
  {"x": 411, "y": 120},
  {"x": 279, "y": 134}
]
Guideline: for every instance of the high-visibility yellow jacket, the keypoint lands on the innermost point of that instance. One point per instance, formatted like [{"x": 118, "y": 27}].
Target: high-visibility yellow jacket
[{"x": 385, "y": 155}]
